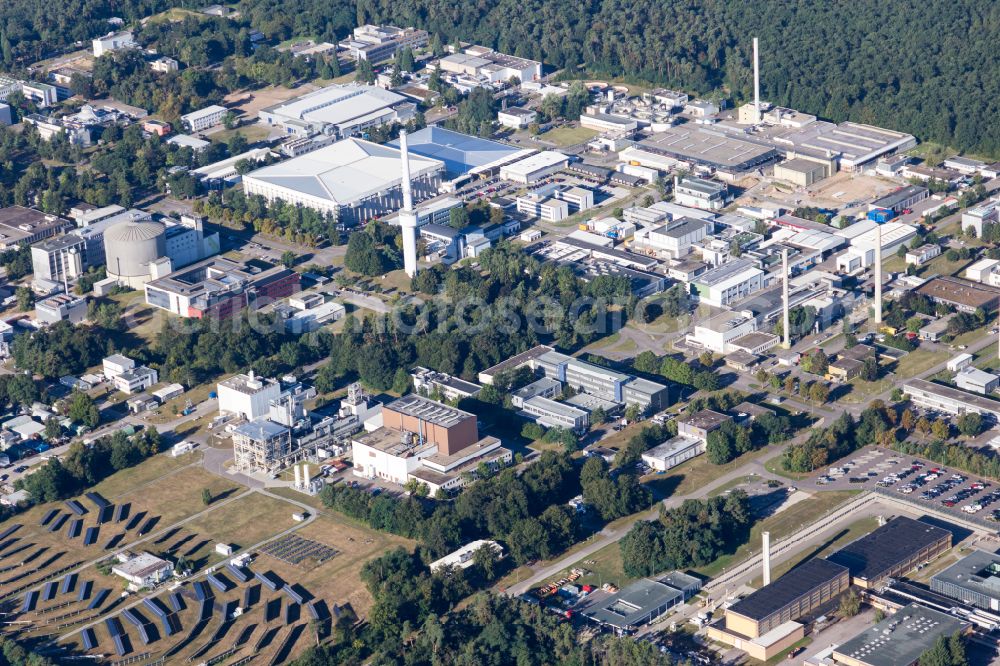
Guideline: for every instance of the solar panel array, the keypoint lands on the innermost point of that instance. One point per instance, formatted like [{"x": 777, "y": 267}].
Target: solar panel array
[
  {"x": 293, "y": 549},
  {"x": 91, "y": 536}
]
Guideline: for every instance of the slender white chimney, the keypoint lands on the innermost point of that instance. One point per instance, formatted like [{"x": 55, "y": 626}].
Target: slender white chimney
[
  {"x": 766, "y": 555},
  {"x": 407, "y": 217},
  {"x": 298, "y": 476},
  {"x": 785, "y": 325},
  {"x": 878, "y": 277},
  {"x": 756, "y": 82}
]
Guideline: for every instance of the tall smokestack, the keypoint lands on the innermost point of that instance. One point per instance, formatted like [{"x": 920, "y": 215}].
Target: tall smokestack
[
  {"x": 756, "y": 82},
  {"x": 878, "y": 276},
  {"x": 785, "y": 325},
  {"x": 766, "y": 555},
  {"x": 407, "y": 218}
]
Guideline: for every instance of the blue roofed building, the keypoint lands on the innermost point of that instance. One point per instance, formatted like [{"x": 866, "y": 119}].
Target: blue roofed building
[{"x": 462, "y": 154}]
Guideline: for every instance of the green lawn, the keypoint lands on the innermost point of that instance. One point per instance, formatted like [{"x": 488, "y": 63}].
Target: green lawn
[
  {"x": 774, "y": 467},
  {"x": 780, "y": 525},
  {"x": 918, "y": 361},
  {"x": 568, "y": 135},
  {"x": 695, "y": 474}
]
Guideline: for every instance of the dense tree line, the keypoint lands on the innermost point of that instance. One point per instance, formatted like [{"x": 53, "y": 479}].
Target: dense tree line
[
  {"x": 691, "y": 535},
  {"x": 931, "y": 83},
  {"x": 87, "y": 464},
  {"x": 612, "y": 495},
  {"x": 843, "y": 436},
  {"x": 508, "y": 303},
  {"x": 696, "y": 373},
  {"x": 407, "y": 626},
  {"x": 732, "y": 440},
  {"x": 526, "y": 511}
]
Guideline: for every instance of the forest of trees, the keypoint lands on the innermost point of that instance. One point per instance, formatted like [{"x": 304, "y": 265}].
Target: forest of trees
[
  {"x": 691, "y": 535},
  {"x": 934, "y": 82}
]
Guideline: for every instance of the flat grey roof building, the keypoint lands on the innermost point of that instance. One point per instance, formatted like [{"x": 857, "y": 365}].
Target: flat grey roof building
[
  {"x": 900, "y": 639},
  {"x": 705, "y": 147},
  {"x": 796, "y": 583},
  {"x": 883, "y": 552},
  {"x": 635, "y": 605},
  {"x": 974, "y": 580}
]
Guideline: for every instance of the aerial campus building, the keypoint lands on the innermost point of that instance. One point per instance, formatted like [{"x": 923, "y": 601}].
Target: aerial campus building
[
  {"x": 642, "y": 602},
  {"x": 974, "y": 580},
  {"x": 892, "y": 550},
  {"x": 464, "y": 156},
  {"x": 765, "y": 622},
  {"x": 898, "y": 640},
  {"x": 339, "y": 110},
  {"x": 353, "y": 180},
  {"x": 426, "y": 441}
]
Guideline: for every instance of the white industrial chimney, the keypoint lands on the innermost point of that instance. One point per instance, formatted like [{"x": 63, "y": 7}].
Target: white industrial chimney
[
  {"x": 407, "y": 217},
  {"x": 785, "y": 325},
  {"x": 878, "y": 276},
  {"x": 756, "y": 82},
  {"x": 766, "y": 555}
]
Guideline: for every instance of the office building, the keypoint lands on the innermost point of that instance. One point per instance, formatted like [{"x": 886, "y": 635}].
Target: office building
[
  {"x": 340, "y": 111},
  {"x": 26, "y": 226},
  {"x": 428, "y": 441},
  {"x": 42, "y": 94},
  {"x": 202, "y": 119},
  {"x": 353, "y": 180},
  {"x": 764, "y": 623},
  {"x": 61, "y": 307},
  {"x": 115, "y": 365},
  {"x": 376, "y": 43},
  {"x": 899, "y": 640},
  {"x": 220, "y": 288},
  {"x": 134, "y": 380},
  {"x": 701, "y": 193},
  {"x": 949, "y": 400},
  {"x": 60, "y": 259},
  {"x": 891, "y": 551},
  {"x": 977, "y": 217},
  {"x": 729, "y": 283},
  {"x": 429, "y": 382},
  {"x": 247, "y": 396},
  {"x": 553, "y": 414},
  {"x": 963, "y": 295},
  {"x": 487, "y": 67},
  {"x": 921, "y": 255},
  {"x": 544, "y": 207}
]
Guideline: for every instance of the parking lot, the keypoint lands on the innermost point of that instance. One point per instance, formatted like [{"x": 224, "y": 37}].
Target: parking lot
[{"x": 916, "y": 480}]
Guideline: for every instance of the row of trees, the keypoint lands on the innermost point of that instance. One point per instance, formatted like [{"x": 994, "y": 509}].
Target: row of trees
[
  {"x": 698, "y": 374},
  {"x": 843, "y": 436}
]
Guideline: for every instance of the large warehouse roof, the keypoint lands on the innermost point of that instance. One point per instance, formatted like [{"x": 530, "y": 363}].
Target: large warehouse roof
[
  {"x": 336, "y": 104},
  {"x": 800, "y": 581},
  {"x": 343, "y": 172},
  {"x": 460, "y": 153},
  {"x": 706, "y": 147},
  {"x": 856, "y": 144},
  {"x": 877, "y": 552}
]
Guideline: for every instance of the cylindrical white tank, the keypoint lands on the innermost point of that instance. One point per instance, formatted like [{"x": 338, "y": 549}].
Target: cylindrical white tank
[{"x": 130, "y": 247}]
